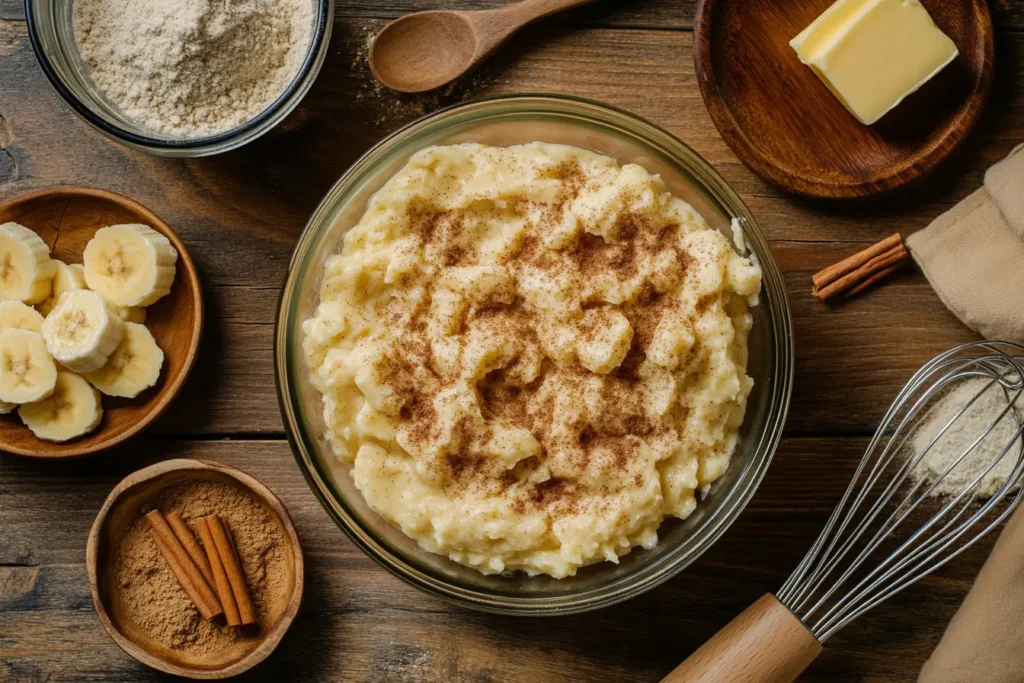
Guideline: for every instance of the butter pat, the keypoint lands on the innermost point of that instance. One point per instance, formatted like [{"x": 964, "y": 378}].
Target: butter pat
[{"x": 873, "y": 53}]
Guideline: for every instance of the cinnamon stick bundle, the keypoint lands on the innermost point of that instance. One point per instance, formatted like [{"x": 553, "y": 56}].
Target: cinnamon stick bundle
[
  {"x": 856, "y": 273},
  {"x": 184, "y": 567}
]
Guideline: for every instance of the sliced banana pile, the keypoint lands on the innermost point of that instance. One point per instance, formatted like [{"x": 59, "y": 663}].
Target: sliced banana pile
[{"x": 86, "y": 334}]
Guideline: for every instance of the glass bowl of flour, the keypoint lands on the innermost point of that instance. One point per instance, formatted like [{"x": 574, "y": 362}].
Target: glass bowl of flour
[{"x": 181, "y": 78}]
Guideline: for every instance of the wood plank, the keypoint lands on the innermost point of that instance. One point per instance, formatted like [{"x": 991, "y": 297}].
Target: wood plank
[
  {"x": 675, "y": 14},
  {"x": 240, "y": 213},
  {"x": 649, "y": 72},
  {"x": 667, "y": 14},
  {"x": 359, "y": 623},
  {"x": 662, "y": 14}
]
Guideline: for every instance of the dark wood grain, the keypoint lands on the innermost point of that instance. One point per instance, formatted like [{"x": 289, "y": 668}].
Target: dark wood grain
[
  {"x": 358, "y": 623},
  {"x": 639, "y": 14},
  {"x": 240, "y": 214},
  {"x": 784, "y": 123},
  {"x": 649, "y": 72},
  {"x": 655, "y": 14}
]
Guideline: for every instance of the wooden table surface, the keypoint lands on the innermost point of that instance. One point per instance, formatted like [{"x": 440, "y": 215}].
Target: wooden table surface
[{"x": 240, "y": 214}]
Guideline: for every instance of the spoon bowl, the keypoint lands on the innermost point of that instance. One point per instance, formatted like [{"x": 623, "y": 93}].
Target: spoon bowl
[
  {"x": 408, "y": 55},
  {"x": 426, "y": 50}
]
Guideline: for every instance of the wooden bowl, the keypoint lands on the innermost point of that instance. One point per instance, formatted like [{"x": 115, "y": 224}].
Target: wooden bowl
[
  {"x": 786, "y": 125},
  {"x": 67, "y": 218},
  {"x": 116, "y": 516}
]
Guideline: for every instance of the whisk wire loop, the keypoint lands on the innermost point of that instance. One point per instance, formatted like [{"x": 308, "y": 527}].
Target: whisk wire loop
[
  {"x": 872, "y": 479},
  {"x": 878, "y": 467},
  {"x": 911, "y": 558},
  {"x": 900, "y": 483}
]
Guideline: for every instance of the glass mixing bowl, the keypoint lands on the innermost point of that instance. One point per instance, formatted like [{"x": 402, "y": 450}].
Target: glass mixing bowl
[
  {"x": 51, "y": 32},
  {"x": 507, "y": 121}
]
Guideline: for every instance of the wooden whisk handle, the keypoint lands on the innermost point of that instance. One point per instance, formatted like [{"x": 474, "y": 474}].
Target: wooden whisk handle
[{"x": 764, "y": 644}]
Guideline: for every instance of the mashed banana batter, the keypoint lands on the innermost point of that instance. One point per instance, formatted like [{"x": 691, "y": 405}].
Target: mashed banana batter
[{"x": 531, "y": 355}]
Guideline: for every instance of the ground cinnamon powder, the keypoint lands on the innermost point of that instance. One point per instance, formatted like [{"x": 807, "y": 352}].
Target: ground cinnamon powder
[
  {"x": 151, "y": 595},
  {"x": 503, "y": 394}
]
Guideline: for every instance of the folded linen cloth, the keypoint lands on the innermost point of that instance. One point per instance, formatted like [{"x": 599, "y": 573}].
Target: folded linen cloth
[
  {"x": 983, "y": 642},
  {"x": 973, "y": 255}
]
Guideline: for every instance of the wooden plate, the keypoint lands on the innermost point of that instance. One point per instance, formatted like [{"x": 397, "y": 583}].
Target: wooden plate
[
  {"x": 67, "y": 218},
  {"x": 785, "y": 124},
  {"x": 116, "y": 516}
]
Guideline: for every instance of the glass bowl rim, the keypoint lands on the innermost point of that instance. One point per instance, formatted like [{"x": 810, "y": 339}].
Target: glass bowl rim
[
  {"x": 646, "y": 577},
  {"x": 302, "y": 79}
]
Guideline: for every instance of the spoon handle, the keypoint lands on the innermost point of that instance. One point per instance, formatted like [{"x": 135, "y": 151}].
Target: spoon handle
[
  {"x": 531, "y": 10},
  {"x": 494, "y": 26}
]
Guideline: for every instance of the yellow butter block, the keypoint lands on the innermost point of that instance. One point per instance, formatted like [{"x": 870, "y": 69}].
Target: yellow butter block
[{"x": 873, "y": 53}]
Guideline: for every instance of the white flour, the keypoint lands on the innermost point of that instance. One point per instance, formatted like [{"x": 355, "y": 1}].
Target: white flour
[
  {"x": 959, "y": 437},
  {"x": 192, "y": 68}
]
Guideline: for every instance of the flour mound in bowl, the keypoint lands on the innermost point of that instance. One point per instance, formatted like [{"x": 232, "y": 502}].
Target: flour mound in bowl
[
  {"x": 193, "y": 68},
  {"x": 531, "y": 355}
]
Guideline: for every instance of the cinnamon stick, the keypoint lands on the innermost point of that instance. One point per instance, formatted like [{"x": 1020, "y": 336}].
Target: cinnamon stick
[
  {"x": 183, "y": 567},
  {"x": 234, "y": 553},
  {"x": 231, "y": 537},
  {"x": 874, "y": 278},
  {"x": 246, "y": 610},
  {"x": 854, "y": 278},
  {"x": 227, "y": 599},
  {"x": 851, "y": 263},
  {"x": 188, "y": 540}
]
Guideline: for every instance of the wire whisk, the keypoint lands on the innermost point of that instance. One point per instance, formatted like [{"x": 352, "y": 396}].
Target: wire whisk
[{"x": 931, "y": 483}]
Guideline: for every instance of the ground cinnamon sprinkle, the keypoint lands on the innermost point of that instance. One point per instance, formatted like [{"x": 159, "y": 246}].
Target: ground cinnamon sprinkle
[
  {"x": 636, "y": 238},
  {"x": 151, "y": 595}
]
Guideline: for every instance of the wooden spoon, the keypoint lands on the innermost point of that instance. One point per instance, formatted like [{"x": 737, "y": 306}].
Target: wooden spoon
[{"x": 426, "y": 50}]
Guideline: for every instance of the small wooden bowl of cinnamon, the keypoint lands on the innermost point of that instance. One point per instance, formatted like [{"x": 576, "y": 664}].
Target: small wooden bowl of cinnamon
[{"x": 195, "y": 568}]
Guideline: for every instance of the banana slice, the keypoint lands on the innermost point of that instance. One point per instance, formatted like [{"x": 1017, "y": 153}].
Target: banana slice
[
  {"x": 6, "y": 408},
  {"x": 130, "y": 265},
  {"x": 73, "y": 409},
  {"x": 27, "y": 373},
  {"x": 134, "y": 367},
  {"x": 15, "y": 315},
  {"x": 132, "y": 314},
  {"x": 68, "y": 278},
  {"x": 26, "y": 269},
  {"x": 82, "y": 331}
]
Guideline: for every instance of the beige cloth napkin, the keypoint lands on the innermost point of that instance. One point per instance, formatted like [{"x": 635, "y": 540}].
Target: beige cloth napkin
[
  {"x": 973, "y": 254},
  {"x": 985, "y": 641}
]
